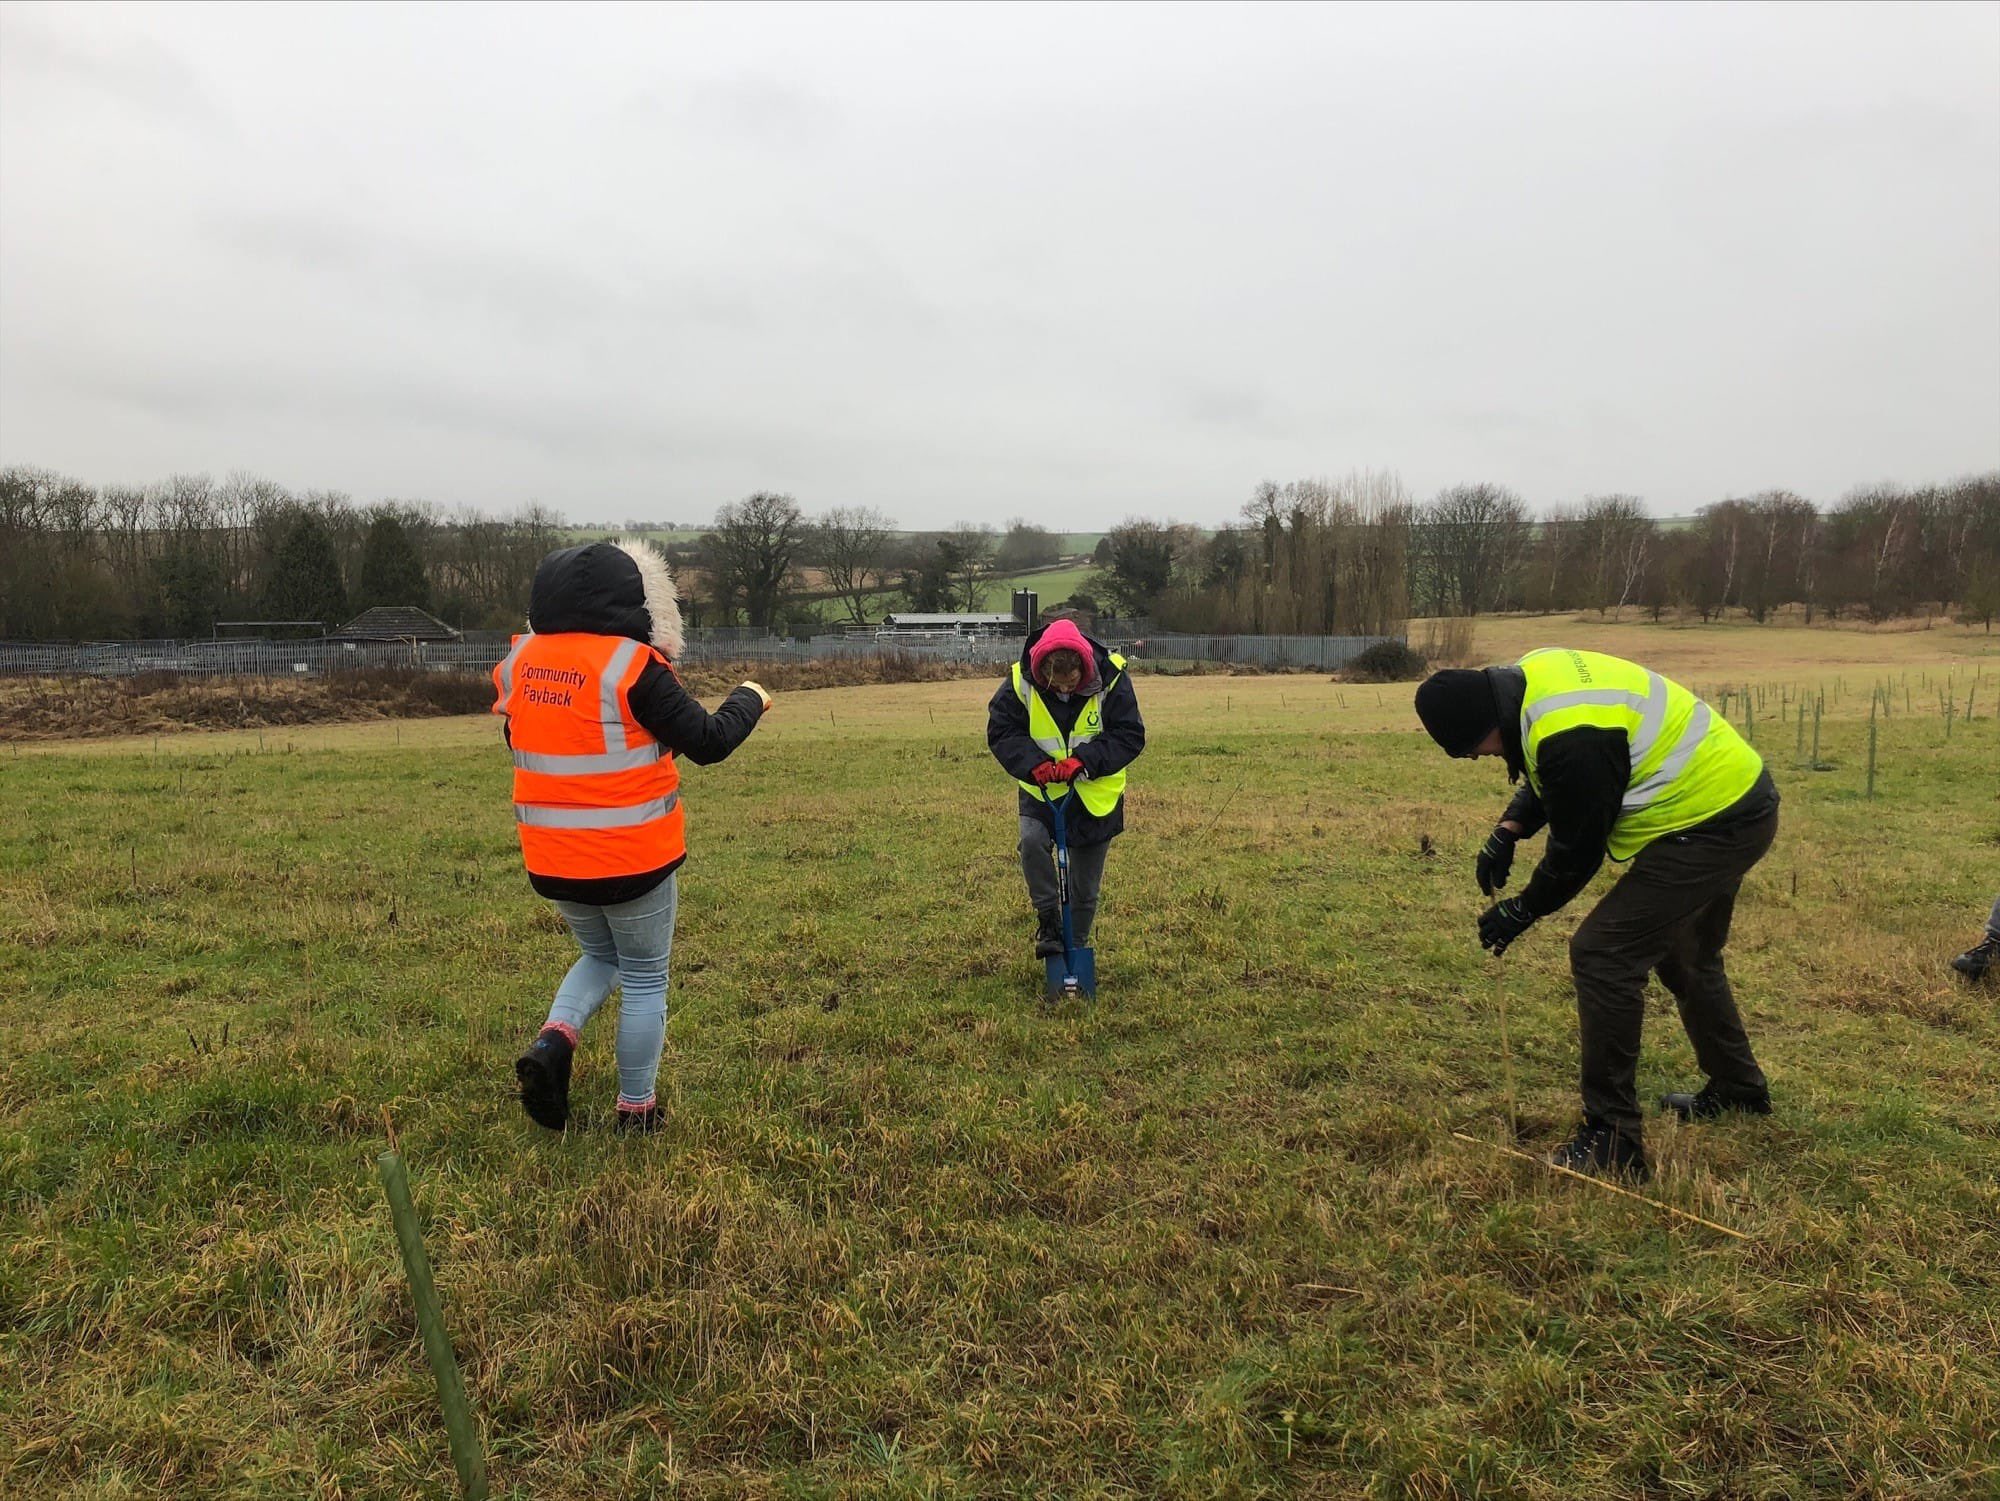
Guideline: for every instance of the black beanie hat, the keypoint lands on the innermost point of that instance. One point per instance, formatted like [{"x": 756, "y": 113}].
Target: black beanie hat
[{"x": 1458, "y": 707}]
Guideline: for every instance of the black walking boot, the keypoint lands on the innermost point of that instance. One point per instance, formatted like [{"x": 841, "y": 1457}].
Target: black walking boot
[
  {"x": 1048, "y": 933},
  {"x": 544, "y": 1074},
  {"x": 640, "y": 1122},
  {"x": 1707, "y": 1103},
  {"x": 1979, "y": 960},
  {"x": 1601, "y": 1152}
]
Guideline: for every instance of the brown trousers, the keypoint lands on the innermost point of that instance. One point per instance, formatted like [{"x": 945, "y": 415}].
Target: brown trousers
[{"x": 1669, "y": 916}]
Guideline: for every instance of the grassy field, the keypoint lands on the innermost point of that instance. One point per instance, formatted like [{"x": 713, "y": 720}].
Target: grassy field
[
  {"x": 1053, "y": 585},
  {"x": 909, "y": 1233}
]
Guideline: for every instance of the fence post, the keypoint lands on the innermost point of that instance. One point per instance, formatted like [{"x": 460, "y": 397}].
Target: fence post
[{"x": 1871, "y": 749}]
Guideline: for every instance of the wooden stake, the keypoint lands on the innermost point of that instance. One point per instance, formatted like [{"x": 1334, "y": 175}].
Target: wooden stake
[{"x": 1599, "y": 1183}]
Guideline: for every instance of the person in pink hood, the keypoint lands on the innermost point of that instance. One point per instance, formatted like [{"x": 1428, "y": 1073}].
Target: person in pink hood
[{"x": 1065, "y": 724}]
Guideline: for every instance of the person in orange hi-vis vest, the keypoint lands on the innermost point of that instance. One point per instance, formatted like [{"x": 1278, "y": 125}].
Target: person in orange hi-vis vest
[{"x": 595, "y": 718}]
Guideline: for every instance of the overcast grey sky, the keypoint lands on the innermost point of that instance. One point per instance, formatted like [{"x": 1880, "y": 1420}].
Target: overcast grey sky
[{"x": 967, "y": 262}]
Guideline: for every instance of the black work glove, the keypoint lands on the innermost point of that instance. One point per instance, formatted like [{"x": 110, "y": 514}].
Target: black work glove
[
  {"x": 1496, "y": 859},
  {"x": 1503, "y": 922}
]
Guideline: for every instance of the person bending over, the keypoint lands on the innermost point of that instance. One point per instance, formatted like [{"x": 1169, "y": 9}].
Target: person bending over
[
  {"x": 1615, "y": 759},
  {"x": 1065, "y": 724}
]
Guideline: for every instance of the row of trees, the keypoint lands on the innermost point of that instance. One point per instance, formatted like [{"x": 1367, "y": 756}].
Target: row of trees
[
  {"x": 766, "y": 563},
  {"x": 1312, "y": 558},
  {"x": 1354, "y": 556},
  {"x": 1883, "y": 551},
  {"x": 176, "y": 558},
  {"x": 1358, "y": 556}
]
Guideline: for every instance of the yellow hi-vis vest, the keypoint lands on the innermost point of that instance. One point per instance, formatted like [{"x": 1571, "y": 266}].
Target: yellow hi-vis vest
[
  {"x": 1100, "y": 794},
  {"x": 1688, "y": 762}
]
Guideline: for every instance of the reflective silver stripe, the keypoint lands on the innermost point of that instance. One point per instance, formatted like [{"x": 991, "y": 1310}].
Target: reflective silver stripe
[
  {"x": 594, "y": 818},
  {"x": 1653, "y": 720},
  {"x": 507, "y": 667},
  {"x": 1621, "y": 697},
  {"x": 1677, "y": 758},
  {"x": 1022, "y": 690},
  {"x": 607, "y": 694},
  {"x": 1054, "y": 744},
  {"x": 586, "y": 766}
]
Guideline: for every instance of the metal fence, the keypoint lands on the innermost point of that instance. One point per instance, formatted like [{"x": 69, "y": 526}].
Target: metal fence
[{"x": 479, "y": 651}]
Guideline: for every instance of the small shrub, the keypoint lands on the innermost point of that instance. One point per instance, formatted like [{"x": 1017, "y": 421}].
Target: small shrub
[{"x": 1387, "y": 662}]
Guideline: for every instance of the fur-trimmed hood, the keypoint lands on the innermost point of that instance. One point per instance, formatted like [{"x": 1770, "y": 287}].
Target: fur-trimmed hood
[{"x": 621, "y": 588}]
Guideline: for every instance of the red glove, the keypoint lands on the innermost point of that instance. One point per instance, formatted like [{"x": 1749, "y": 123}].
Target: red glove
[{"x": 1066, "y": 770}]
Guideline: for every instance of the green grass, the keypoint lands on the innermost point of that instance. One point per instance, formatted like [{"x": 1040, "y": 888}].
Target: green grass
[
  {"x": 1053, "y": 585},
  {"x": 909, "y": 1234}
]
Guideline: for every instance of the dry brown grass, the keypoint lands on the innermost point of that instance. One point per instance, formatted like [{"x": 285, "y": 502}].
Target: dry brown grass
[
  {"x": 159, "y": 703},
  {"x": 1739, "y": 650},
  {"x": 163, "y": 702}
]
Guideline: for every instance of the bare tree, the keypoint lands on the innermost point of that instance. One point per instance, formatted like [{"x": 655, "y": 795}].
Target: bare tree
[
  {"x": 1618, "y": 543},
  {"x": 1467, "y": 544},
  {"x": 851, "y": 544},
  {"x": 1558, "y": 544},
  {"x": 968, "y": 564},
  {"x": 755, "y": 542},
  {"x": 1780, "y": 525},
  {"x": 1316, "y": 556}
]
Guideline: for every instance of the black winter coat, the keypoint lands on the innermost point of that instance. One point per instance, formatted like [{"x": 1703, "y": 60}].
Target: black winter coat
[
  {"x": 607, "y": 590},
  {"x": 1116, "y": 746}
]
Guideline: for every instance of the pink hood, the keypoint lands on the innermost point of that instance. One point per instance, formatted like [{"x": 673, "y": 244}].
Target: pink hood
[{"x": 1061, "y": 634}]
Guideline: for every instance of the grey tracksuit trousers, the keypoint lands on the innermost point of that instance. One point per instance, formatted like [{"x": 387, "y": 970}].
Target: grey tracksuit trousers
[{"x": 1086, "y": 874}]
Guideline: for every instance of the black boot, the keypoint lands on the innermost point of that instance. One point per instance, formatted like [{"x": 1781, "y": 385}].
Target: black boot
[
  {"x": 1601, "y": 1152},
  {"x": 1979, "y": 960},
  {"x": 1048, "y": 933},
  {"x": 640, "y": 1122},
  {"x": 544, "y": 1074},
  {"x": 1708, "y": 1102}
]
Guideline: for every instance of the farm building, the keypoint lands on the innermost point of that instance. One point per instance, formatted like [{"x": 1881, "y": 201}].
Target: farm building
[
  {"x": 907, "y": 623},
  {"x": 403, "y": 623}
]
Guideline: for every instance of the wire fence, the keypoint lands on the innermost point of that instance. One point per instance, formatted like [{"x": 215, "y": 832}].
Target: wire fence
[{"x": 478, "y": 651}]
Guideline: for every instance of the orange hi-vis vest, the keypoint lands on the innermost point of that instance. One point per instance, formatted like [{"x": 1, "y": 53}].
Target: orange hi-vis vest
[{"x": 595, "y": 795}]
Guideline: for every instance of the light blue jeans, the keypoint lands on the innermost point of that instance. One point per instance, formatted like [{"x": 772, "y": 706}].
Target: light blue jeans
[{"x": 624, "y": 948}]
